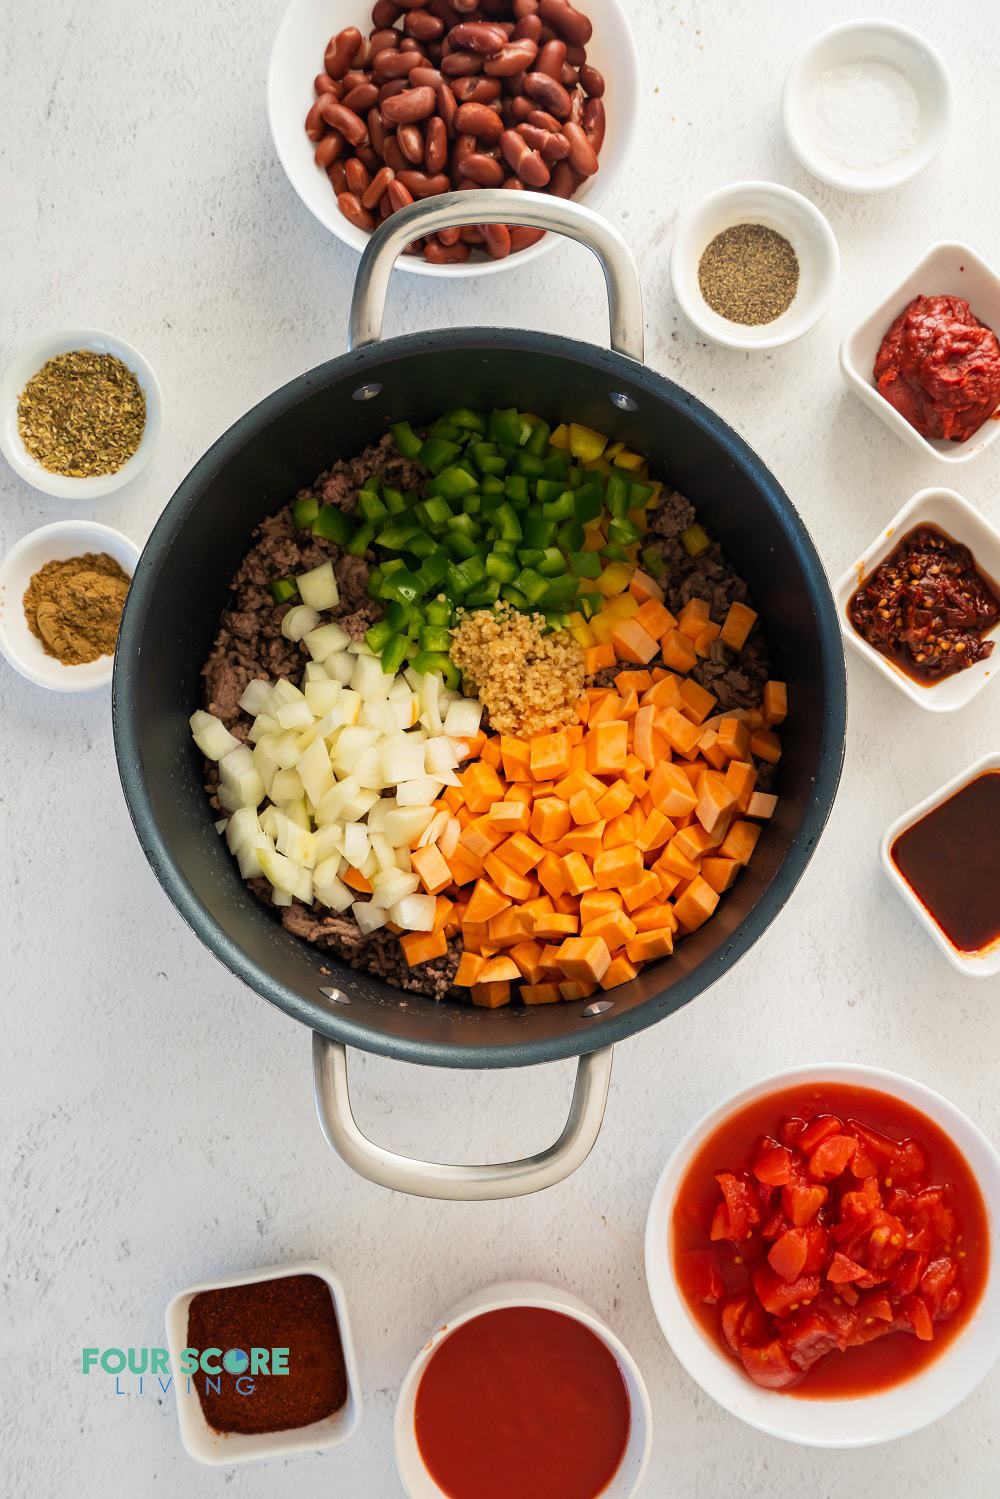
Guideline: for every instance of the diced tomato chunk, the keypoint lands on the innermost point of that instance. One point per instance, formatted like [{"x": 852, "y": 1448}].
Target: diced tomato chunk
[
  {"x": 831, "y": 1157},
  {"x": 936, "y": 1280},
  {"x": 914, "y": 1309},
  {"x": 842, "y": 1270},
  {"x": 773, "y": 1165},
  {"x": 808, "y": 1337},
  {"x": 740, "y": 1204},
  {"x": 701, "y": 1276},
  {"x": 778, "y": 1296},
  {"x": 787, "y": 1255},
  {"x": 770, "y": 1366},
  {"x": 906, "y": 1275},
  {"x": 817, "y": 1248},
  {"x": 818, "y": 1130},
  {"x": 743, "y": 1320},
  {"x": 802, "y": 1203}
]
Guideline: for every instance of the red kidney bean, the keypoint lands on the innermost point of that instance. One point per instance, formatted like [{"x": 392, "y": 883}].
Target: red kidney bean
[
  {"x": 324, "y": 84},
  {"x": 397, "y": 64},
  {"x": 357, "y": 176},
  {"x": 388, "y": 90},
  {"x": 594, "y": 123},
  {"x": 521, "y": 159},
  {"x": 481, "y": 169},
  {"x": 582, "y": 155},
  {"x": 476, "y": 90},
  {"x": 512, "y": 59},
  {"x": 473, "y": 235},
  {"x": 350, "y": 206},
  {"x": 370, "y": 158},
  {"x": 555, "y": 148},
  {"x": 479, "y": 120},
  {"x": 564, "y": 180},
  {"x": 353, "y": 78},
  {"x": 568, "y": 77},
  {"x": 340, "y": 51},
  {"x": 411, "y": 143},
  {"x": 398, "y": 196},
  {"x": 549, "y": 93},
  {"x": 351, "y": 126},
  {"x": 437, "y": 254},
  {"x": 449, "y": 236},
  {"x": 381, "y": 41},
  {"x": 447, "y": 12},
  {"x": 372, "y": 195},
  {"x": 338, "y": 177},
  {"x": 591, "y": 81},
  {"x": 521, "y": 108},
  {"x": 464, "y": 6},
  {"x": 571, "y": 24},
  {"x": 385, "y": 13},
  {"x": 535, "y": 137},
  {"x": 464, "y": 145},
  {"x": 528, "y": 30},
  {"x": 577, "y": 56},
  {"x": 513, "y": 183},
  {"x": 424, "y": 77},
  {"x": 551, "y": 59},
  {"x": 393, "y": 155},
  {"x": 423, "y": 186},
  {"x": 513, "y": 86},
  {"x": 461, "y": 64},
  {"x": 316, "y": 120},
  {"x": 329, "y": 149},
  {"x": 376, "y": 131},
  {"x": 406, "y": 109},
  {"x": 477, "y": 36},
  {"x": 361, "y": 99},
  {"x": 435, "y": 146},
  {"x": 424, "y": 26},
  {"x": 521, "y": 237},
  {"x": 544, "y": 121},
  {"x": 447, "y": 107},
  {"x": 497, "y": 237}
]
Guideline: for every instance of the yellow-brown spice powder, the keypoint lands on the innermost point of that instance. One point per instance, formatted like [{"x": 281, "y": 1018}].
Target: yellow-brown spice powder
[{"x": 73, "y": 607}]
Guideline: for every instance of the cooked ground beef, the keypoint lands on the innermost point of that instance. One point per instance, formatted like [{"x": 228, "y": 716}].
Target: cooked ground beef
[
  {"x": 737, "y": 679},
  {"x": 379, "y": 952}
]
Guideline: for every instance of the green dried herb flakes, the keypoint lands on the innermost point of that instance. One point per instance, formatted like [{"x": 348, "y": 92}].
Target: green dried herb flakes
[
  {"x": 749, "y": 274},
  {"x": 83, "y": 414}
]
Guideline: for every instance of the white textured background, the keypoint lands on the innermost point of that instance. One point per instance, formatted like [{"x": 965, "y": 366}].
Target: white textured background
[{"x": 156, "y": 1122}]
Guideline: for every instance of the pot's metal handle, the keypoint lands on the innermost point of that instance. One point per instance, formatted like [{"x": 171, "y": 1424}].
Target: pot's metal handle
[
  {"x": 499, "y": 206},
  {"x": 459, "y": 1183}
]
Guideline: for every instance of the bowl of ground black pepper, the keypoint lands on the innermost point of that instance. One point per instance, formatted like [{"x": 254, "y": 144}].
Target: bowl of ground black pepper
[
  {"x": 62, "y": 592},
  {"x": 263, "y": 1364},
  {"x": 754, "y": 265},
  {"x": 80, "y": 413}
]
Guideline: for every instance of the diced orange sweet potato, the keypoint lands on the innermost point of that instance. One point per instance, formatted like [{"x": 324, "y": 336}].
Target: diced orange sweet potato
[
  {"x": 655, "y": 618},
  {"x": 654, "y": 831},
  {"x": 507, "y": 879},
  {"x": 703, "y": 640},
  {"x": 490, "y": 996},
  {"x": 594, "y": 903},
  {"x": 693, "y": 618},
  {"x": 515, "y": 755},
  {"x": 582, "y": 808},
  {"x": 587, "y": 840},
  {"x": 643, "y": 587},
  {"x": 500, "y": 970},
  {"x": 470, "y": 966},
  {"x": 480, "y": 837},
  {"x": 617, "y": 868},
  {"x": 620, "y": 832},
  {"x": 740, "y": 842},
  {"x": 766, "y": 746},
  {"x": 550, "y": 819},
  {"x": 520, "y": 852},
  {"x": 675, "y": 861},
  {"x": 575, "y": 989},
  {"x": 556, "y": 925},
  {"x": 643, "y": 890},
  {"x": 694, "y": 841},
  {"x": 737, "y": 626},
  {"x": 647, "y": 742},
  {"x": 619, "y": 971},
  {"x": 357, "y": 881},
  {"x": 659, "y": 913},
  {"x": 429, "y": 864},
  {"x": 632, "y": 681},
  {"x": 671, "y": 790},
  {"x": 605, "y": 709},
  {"x": 549, "y": 756},
  {"x": 616, "y": 800},
  {"x": 696, "y": 905},
  {"x": 540, "y": 994},
  {"x": 664, "y": 693},
  {"x": 696, "y": 701},
  {"x": 720, "y": 873},
  {"x": 708, "y": 748},
  {"x": 422, "y": 947},
  {"x": 513, "y": 816},
  {"x": 715, "y": 802},
  {"x": 734, "y": 738},
  {"x": 551, "y": 875},
  {"x": 740, "y": 778},
  {"x": 607, "y": 747},
  {"x": 510, "y": 926},
  {"x": 632, "y": 642},
  {"x": 669, "y": 882},
  {"x": 677, "y": 651},
  {"x": 464, "y": 865},
  {"x": 597, "y": 657},
  {"x": 486, "y": 901},
  {"x": 635, "y": 780},
  {"x": 491, "y": 752},
  {"x": 646, "y": 947},
  {"x": 584, "y": 958},
  {"x": 761, "y": 804},
  {"x": 629, "y": 705},
  {"x": 481, "y": 786},
  {"x": 577, "y": 873},
  {"x": 527, "y": 956},
  {"x": 680, "y": 733},
  {"x": 775, "y": 703},
  {"x": 614, "y": 926}
]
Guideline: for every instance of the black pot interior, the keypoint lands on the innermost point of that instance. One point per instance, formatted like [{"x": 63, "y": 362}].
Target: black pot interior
[{"x": 181, "y": 586}]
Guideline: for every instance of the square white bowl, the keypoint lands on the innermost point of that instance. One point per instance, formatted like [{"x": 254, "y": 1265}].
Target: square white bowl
[
  {"x": 947, "y": 511},
  {"x": 949, "y": 269},
  {"x": 978, "y": 965},
  {"x": 225, "y": 1449}
]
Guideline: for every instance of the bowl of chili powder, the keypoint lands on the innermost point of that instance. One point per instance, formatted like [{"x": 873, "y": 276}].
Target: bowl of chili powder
[{"x": 243, "y": 1401}]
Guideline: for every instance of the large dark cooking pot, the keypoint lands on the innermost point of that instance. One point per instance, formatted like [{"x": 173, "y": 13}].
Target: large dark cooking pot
[{"x": 180, "y": 587}]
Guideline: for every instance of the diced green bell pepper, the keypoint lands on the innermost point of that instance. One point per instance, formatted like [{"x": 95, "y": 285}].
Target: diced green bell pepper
[
  {"x": 305, "y": 511},
  {"x": 406, "y": 440},
  {"x": 283, "y": 589},
  {"x": 333, "y": 525}
]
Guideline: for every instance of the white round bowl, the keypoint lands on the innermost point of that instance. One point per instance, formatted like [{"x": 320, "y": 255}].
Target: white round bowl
[
  {"x": 778, "y": 208},
  {"x": 297, "y": 56},
  {"x": 413, "y": 1473},
  {"x": 870, "y": 1419},
  {"x": 54, "y": 543},
  {"x": 869, "y": 41}
]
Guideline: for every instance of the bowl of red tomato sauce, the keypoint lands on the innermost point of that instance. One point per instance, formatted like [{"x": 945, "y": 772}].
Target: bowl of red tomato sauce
[
  {"x": 522, "y": 1390},
  {"x": 821, "y": 1255}
]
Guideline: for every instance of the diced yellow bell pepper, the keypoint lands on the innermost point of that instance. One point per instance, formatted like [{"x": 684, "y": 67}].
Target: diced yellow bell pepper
[
  {"x": 598, "y": 466},
  {"x": 614, "y": 579},
  {"x": 628, "y": 460},
  {"x": 585, "y": 443},
  {"x": 612, "y": 450},
  {"x": 621, "y": 606},
  {"x": 638, "y": 519},
  {"x": 593, "y": 536},
  {"x": 601, "y": 627},
  {"x": 560, "y": 437},
  {"x": 580, "y": 630}
]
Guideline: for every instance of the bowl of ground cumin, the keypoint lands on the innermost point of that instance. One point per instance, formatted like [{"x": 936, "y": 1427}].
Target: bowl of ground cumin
[
  {"x": 62, "y": 591},
  {"x": 80, "y": 413}
]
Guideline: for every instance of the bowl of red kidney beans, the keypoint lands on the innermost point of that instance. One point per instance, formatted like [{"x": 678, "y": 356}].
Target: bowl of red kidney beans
[
  {"x": 375, "y": 106},
  {"x": 821, "y": 1255}
]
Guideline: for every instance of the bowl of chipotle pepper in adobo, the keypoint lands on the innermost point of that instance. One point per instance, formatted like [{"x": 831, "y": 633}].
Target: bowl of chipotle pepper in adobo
[
  {"x": 922, "y": 604},
  {"x": 927, "y": 359},
  {"x": 819, "y": 1253}
]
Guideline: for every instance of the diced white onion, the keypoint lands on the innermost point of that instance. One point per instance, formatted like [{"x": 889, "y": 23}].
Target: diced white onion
[
  {"x": 463, "y": 718},
  {"x": 256, "y": 696},
  {"x": 415, "y": 913},
  {"x": 211, "y": 735},
  {"x": 369, "y": 917},
  {"x": 298, "y": 622},
  {"x": 392, "y": 885},
  {"x": 324, "y": 641},
  {"x": 318, "y": 588}
]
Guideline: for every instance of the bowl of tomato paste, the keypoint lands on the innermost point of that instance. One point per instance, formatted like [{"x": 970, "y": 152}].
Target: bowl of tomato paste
[
  {"x": 820, "y": 1253},
  {"x": 522, "y": 1390}
]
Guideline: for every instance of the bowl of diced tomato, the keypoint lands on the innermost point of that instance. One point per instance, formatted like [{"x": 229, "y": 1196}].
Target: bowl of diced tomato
[{"x": 821, "y": 1255}]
